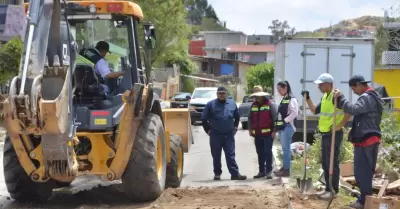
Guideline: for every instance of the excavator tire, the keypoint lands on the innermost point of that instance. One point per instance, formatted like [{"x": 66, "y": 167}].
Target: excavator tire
[
  {"x": 19, "y": 184},
  {"x": 175, "y": 167},
  {"x": 145, "y": 174}
]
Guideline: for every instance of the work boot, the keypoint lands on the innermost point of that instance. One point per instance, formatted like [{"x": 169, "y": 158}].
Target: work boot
[
  {"x": 269, "y": 175},
  {"x": 217, "y": 177},
  {"x": 278, "y": 171},
  {"x": 283, "y": 173},
  {"x": 239, "y": 177},
  {"x": 356, "y": 205},
  {"x": 327, "y": 195},
  {"x": 259, "y": 175}
]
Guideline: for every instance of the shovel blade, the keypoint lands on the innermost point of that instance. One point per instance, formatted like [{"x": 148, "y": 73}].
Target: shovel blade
[{"x": 305, "y": 185}]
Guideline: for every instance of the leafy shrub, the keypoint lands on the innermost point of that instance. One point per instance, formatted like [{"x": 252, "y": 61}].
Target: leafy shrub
[
  {"x": 10, "y": 56},
  {"x": 261, "y": 74},
  {"x": 388, "y": 159},
  {"x": 389, "y": 154},
  {"x": 314, "y": 156}
]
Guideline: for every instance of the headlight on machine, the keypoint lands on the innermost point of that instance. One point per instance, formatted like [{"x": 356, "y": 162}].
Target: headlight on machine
[{"x": 191, "y": 107}]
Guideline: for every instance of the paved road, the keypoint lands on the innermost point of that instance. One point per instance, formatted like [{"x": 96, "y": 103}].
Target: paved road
[{"x": 197, "y": 173}]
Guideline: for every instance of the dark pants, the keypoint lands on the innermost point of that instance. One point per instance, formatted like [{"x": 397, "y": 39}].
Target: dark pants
[
  {"x": 226, "y": 142},
  {"x": 364, "y": 169},
  {"x": 264, "y": 152},
  {"x": 326, "y": 154}
]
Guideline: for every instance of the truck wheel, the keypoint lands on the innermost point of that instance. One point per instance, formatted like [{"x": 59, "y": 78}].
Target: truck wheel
[
  {"x": 245, "y": 125},
  {"x": 175, "y": 167},
  {"x": 145, "y": 174},
  {"x": 19, "y": 184}
]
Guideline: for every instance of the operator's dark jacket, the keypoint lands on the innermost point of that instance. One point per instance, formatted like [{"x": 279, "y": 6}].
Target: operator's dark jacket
[{"x": 367, "y": 112}]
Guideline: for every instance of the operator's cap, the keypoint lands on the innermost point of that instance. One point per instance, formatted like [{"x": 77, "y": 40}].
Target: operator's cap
[
  {"x": 324, "y": 78},
  {"x": 357, "y": 79},
  {"x": 102, "y": 45},
  {"x": 222, "y": 89}
]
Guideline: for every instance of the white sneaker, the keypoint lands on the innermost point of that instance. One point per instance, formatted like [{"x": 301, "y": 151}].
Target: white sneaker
[
  {"x": 320, "y": 193},
  {"x": 327, "y": 195}
]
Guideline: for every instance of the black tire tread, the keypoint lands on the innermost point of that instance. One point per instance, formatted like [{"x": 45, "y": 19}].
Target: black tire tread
[
  {"x": 173, "y": 180},
  {"x": 140, "y": 181},
  {"x": 18, "y": 183}
]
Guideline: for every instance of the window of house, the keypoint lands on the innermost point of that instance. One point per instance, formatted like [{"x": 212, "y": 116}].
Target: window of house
[{"x": 258, "y": 38}]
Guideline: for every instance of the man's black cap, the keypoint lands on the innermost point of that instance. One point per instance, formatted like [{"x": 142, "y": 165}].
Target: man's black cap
[
  {"x": 357, "y": 79},
  {"x": 222, "y": 89},
  {"x": 102, "y": 45}
]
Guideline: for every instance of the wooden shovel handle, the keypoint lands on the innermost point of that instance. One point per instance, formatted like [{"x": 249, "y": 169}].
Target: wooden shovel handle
[{"x": 333, "y": 137}]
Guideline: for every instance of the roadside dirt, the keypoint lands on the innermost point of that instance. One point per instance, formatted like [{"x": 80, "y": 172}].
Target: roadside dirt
[
  {"x": 221, "y": 198},
  {"x": 313, "y": 202}
]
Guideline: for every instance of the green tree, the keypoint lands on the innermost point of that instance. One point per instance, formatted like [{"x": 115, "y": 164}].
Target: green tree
[
  {"x": 198, "y": 10},
  {"x": 280, "y": 29},
  {"x": 169, "y": 19},
  {"x": 10, "y": 55},
  {"x": 208, "y": 24},
  {"x": 261, "y": 74}
]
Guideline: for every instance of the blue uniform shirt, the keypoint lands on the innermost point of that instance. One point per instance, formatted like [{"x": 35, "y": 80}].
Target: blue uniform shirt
[{"x": 221, "y": 116}]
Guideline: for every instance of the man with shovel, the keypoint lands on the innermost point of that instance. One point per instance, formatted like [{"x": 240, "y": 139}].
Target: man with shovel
[
  {"x": 326, "y": 111},
  {"x": 365, "y": 133}
]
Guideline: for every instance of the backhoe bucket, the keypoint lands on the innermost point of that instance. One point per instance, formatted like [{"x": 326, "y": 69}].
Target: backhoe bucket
[{"x": 177, "y": 121}]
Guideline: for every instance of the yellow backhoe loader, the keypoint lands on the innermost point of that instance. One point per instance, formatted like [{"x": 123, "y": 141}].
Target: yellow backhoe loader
[{"x": 61, "y": 124}]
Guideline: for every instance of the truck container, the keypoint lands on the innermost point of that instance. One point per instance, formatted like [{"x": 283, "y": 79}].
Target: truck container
[{"x": 301, "y": 60}]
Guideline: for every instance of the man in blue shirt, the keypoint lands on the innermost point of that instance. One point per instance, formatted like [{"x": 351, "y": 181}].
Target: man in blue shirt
[
  {"x": 220, "y": 121},
  {"x": 96, "y": 56}
]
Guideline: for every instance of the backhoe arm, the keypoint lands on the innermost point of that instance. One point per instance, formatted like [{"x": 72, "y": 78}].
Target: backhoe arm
[{"x": 40, "y": 96}]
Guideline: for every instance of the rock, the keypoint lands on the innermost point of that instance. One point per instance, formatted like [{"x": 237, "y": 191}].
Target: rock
[{"x": 393, "y": 176}]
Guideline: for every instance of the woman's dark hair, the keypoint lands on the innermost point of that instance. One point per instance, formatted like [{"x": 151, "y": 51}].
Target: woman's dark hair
[{"x": 285, "y": 84}]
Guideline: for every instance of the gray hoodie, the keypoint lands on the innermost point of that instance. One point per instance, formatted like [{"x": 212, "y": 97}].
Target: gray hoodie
[{"x": 367, "y": 112}]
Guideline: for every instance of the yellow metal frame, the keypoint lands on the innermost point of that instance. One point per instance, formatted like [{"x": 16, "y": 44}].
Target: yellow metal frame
[{"x": 128, "y": 8}]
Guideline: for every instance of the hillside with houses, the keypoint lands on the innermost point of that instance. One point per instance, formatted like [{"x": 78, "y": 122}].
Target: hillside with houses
[{"x": 228, "y": 54}]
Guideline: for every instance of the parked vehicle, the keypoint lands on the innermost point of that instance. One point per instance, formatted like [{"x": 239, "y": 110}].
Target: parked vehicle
[
  {"x": 180, "y": 100},
  {"x": 200, "y": 97},
  {"x": 244, "y": 110},
  {"x": 301, "y": 60}
]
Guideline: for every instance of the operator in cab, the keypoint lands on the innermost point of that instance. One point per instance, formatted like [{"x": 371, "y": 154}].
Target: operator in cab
[
  {"x": 95, "y": 57},
  {"x": 325, "y": 109},
  {"x": 220, "y": 121}
]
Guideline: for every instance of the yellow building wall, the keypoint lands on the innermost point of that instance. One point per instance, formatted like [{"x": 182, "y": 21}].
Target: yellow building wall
[{"x": 390, "y": 78}]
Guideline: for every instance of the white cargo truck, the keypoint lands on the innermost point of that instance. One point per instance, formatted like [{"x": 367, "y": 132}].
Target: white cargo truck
[{"x": 301, "y": 60}]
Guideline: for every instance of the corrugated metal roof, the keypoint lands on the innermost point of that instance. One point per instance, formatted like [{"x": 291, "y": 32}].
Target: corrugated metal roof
[{"x": 250, "y": 48}]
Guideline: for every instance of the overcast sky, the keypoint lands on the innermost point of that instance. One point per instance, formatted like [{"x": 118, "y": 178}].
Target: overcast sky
[{"x": 254, "y": 16}]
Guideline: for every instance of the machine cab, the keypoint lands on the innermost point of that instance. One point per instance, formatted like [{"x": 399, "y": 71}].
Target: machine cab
[{"x": 97, "y": 100}]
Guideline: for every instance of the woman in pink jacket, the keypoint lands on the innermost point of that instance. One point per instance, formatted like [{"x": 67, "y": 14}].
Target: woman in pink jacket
[{"x": 287, "y": 113}]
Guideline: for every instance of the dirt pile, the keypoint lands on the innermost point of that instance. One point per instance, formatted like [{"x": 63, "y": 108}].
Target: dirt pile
[
  {"x": 221, "y": 198},
  {"x": 299, "y": 201}
]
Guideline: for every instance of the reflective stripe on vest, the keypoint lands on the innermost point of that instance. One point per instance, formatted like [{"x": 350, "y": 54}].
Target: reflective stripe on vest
[
  {"x": 82, "y": 60},
  {"x": 261, "y": 119},
  {"x": 326, "y": 115},
  {"x": 264, "y": 107},
  {"x": 285, "y": 101},
  {"x": 265, "y": 130}
]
